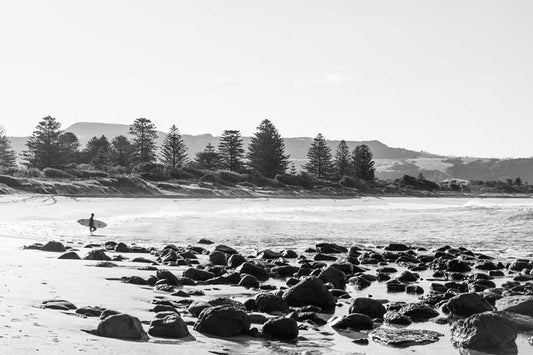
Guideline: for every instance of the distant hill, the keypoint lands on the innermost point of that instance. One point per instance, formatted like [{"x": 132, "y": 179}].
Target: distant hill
[{"x": 391, "y": 162}]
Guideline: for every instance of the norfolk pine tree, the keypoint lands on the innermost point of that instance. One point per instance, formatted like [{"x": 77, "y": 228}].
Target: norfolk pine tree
[
  {"x": 231, "y": 150},
  {"x": 173, "y": 150},
  {"x": 266, "y": 153},
  {"x": 144, "y": 136},
  {"x": 363, "y": 163},
  {"x": 44, "y": 145},
  {"x": 121, "y": 151},
  {"x": 319, "y": 156},
  {"x": 342, "y": 160},
  {"x": 8, "y": 158},
  {"x": 208, "y": 158}
]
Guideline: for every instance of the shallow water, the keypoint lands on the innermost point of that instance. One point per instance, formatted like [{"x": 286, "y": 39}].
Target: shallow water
[{"x": 500, "y": 227}]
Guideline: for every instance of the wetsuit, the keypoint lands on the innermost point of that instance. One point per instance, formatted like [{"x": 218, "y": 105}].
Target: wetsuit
[{"x": 91, "y": 224}]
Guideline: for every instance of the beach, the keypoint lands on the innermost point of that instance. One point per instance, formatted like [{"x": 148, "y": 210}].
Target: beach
[{"x": 498, "y": 228}]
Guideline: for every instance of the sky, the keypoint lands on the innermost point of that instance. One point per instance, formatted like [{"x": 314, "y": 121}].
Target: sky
[{"x": 443, "y": 76}]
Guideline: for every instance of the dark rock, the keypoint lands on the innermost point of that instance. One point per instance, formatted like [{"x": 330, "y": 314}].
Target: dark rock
[
  {"x": 108, "y": 312},
  {"x": 353, "y": 321},
  {"x": 249, "y": 281},
  {"x": 455, "y": 265},
  {"x": 121, "y": 326},
  {"x": 414, "y": 289},
  {"x": 225, "y": 249},
  {"x": 255, "y": 270},
  {"x": 407, "y": 276},
  {"x": 345, "y": 267},
  {"x": 218, "y": 258},
  {"x": 466, "y": 304},
  {"x": 309, "y": 291},
  {"x": 285, "y": 270},
  {"x": 440, "y": 288},
  {"x": 257, "y": 318},
  {"x": 122, "y": 248},
  {"x": 163, "y": 308},
  {"x": 186, "y": 281},
  {"x": 230, "y": 279},
  {"x": 205, "y": 241},
  {"x": 395, "y": 286},
  {"x": 90, "y": 311},
  {"x": 484, "y": 331},
  {"x": 60, "y": 305},
  {"x": 404, "y": 337},
  {"x": 324, "y": 257},
  {"x": 198, "y": 274},
  {"x": 281, "y": 328},
  {"x": 236, "y": 260},
  {"x": 172, "y": 279},
  {"x": 368, "y": 306},
  {"x": 396, "y": 318},
  {"x": 359, "y": 282},
  {"x": 520, "y": 321},
  {"x": 142, "y": 260},
  {"x": 396, "y": 247},
  {"x": 516, "y": 304},
  {"x": 105, "y": 264},
  {"x": 197, "y": 307},
  {"x": 170, "y": 326},
  {"x": 97, "y": 254},
  {"x": 418, "y": 312},
  {"x": 54, "y": 246},
  {"x": 223, "y": 321},
  {"x": 289, "y": 254},
  {"x": 268, "y": 254},
  {"x": 269, "y": 303},
  {"x": 223, "y": 301},
  {"x": 330, "y": 248},
  {"x": 334, "y": 276},
  {"x": 71, "y": 255}
]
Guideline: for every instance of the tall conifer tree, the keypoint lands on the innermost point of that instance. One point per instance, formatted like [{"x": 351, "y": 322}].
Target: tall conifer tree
[
  {"x": 174, "y": 150},
  {"x": 319, "y": 156},
  {"x": 363, "y": 163},
  {"x": 266, "y": 153},
  {"x": 231, "y": 150},
  {"x": 144, "y": 135},
  {"x": 8, "y": 159},
  {"x": 44, "y": 145},
  {"x": 208, "y": 158},
  {"x": 342, "y": 160}
]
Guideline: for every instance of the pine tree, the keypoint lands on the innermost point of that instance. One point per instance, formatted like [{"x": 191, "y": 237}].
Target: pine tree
[
  {"x": 173, "y": 150},
  {"x": 319, "y": 156},
  {"x": 266, "y": 153},
  {"x": 231, "y": 151},
  {"x": 8, "y": 159},
  {"x": 363, "y": 163},
  {"x": 97, "y": 152},
  {"x": 292, "y": 170},
  {"x": 209, "y": 158},
  {"x": 70, "y": 146},
  {"x": 144, "y": 135},
  {"x": 121, "y": 153},
  {"x": 44, "y": 145},
  {"x": 342, "y": 160}
]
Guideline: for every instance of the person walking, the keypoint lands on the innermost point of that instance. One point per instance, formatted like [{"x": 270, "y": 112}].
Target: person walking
[{"x": 92, "y": 228}]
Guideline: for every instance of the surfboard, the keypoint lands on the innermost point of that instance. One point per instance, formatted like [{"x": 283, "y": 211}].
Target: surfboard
[{"x": 97, "y": 223}]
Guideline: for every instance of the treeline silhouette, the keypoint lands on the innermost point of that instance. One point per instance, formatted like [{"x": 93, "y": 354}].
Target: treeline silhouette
[{"x": 56, "y": 153}]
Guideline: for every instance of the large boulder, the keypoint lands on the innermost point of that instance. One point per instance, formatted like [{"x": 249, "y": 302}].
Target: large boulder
[
  {"x": 225, "y": 249},
  {"x": 281, "y": 328},
  {"x": 310, "y": 291},
  {"x": 198, "y": 274},
  {"x": 269, "y": 302},
  {"x": 330, "y": 248},
  {"x": 236, "y": 260},
  {"x": 466, "y": 304},
  {"x": 404, "y": 337},
  {"x": 396, "y": 318},
  {"x": 484, "y": 331},
  {"x": 218, "y": 258},
  {"x": 122, "y": 248},
  {"x": 223, "y": 321},
  {"x": 255, "y": 270},
  {"x": 54, "y": 246},
  {"x": 172, "y": 279},
  {"x": 353, "y": 321},
  {"x": 70, "y": 255},
  {"x": 368, "y": 306},
  {"x": 168, "y": 326},
  {"x": 121, "y": 326},
  {"x": 335, "y": 276},
  {"x": 516, "y": 304},
  {"x": 97, "y": 254},
  {"x": 249, "y": 281},
  {"x": 418, "y": 312},
  {"x": 60, "y": 305},
  {"x": 196, "y": 307}
]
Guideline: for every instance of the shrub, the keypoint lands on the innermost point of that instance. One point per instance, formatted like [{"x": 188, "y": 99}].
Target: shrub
[
  {"x": 153, "y": 176},
  {"x": 290, "y": 180},
  {"x": 230, "y": 176},
  {"x": 56, "y": 173},
  {"x": 87, "y": 174},
  {"x": 208, "y": 178},
  {"x": 153, "y": 168},
  {"x": 179, "y": 174},
  {"x": 193, "y": 172},
  {"x": 9, "y": 181},
  {"x": 348, "y": 181}
]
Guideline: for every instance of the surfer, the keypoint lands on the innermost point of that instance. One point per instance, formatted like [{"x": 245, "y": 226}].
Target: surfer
[{"x": 92, "y": 228}]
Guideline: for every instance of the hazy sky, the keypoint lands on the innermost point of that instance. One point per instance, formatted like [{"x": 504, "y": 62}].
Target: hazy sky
[{"x": 450, "y": 77}]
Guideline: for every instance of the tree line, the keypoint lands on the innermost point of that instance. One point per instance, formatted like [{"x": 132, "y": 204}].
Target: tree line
[{"x": 50, "y": 147}]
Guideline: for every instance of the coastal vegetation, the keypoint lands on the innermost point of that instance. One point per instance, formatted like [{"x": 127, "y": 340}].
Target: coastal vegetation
[{"x": 52, "y": 153}]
